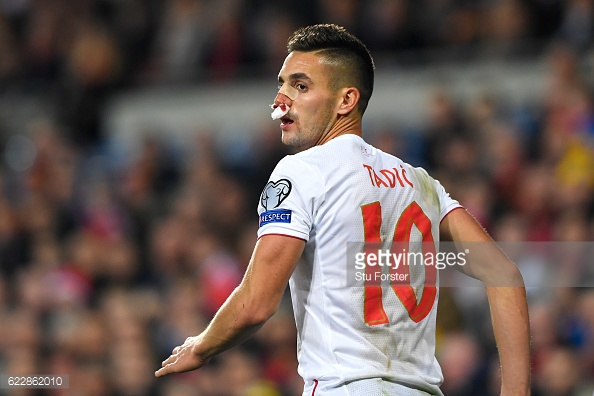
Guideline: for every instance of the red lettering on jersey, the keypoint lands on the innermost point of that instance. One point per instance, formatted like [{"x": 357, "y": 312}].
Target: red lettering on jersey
[
  {"x": 404, "y": 176},
  {"x": 389, "y": 177},
  {"x": 370, "y": 169},
  {"x": 378, "y": 180},
  {"x": 374, "y": 308},
  {"x": 398, "y": 176}
]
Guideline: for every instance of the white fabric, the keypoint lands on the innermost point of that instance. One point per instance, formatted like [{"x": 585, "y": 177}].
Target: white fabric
[{"x": 323, "y": 189}]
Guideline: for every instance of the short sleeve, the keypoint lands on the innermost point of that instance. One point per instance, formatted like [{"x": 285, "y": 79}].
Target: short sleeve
[
  {"x": 289, "y": 200},
  {"x": 446, "y": 203}
]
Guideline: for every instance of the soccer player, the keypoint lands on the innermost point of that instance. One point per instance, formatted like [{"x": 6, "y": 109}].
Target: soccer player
[{"x": 338, "y": 189}]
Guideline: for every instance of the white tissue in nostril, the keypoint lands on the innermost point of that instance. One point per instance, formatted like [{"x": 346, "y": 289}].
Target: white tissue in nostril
[{"x": 279, "y": 111}]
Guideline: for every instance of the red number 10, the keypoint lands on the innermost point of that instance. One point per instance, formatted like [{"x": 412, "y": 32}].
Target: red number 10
[{"x": 372, "y": 221}]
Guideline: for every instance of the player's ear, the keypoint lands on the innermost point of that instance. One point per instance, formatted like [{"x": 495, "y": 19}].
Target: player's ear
[{"x": 348, "y": 100}]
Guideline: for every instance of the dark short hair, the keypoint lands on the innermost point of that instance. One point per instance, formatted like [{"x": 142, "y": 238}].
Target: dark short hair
[{"x": 338, "y": 45}]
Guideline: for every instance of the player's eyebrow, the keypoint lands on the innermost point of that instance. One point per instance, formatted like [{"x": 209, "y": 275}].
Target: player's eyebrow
[{"x": 296, "y": 76}]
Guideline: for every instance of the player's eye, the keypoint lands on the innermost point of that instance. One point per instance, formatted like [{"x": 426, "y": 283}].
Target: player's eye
[{"x": 301, "y": 87}]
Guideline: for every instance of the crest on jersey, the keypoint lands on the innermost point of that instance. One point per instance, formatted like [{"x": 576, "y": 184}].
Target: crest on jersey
[{"x": 275, "y": 192}]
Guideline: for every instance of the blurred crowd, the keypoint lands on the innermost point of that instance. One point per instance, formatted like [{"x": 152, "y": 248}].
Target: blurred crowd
[
  {"x": 77, "y": 53},
  {"x": 106, "y": 265}
]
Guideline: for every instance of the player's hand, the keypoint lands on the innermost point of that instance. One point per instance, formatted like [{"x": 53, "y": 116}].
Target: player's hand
[{"x": 182, "y": 359}]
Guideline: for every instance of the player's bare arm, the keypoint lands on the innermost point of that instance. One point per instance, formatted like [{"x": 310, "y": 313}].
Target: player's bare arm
[
  {"x": 252, "y": 303},
  {"x": 507, "y": 298}
]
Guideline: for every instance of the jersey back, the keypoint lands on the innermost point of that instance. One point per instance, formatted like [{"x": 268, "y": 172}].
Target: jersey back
[{"x": 341, "y": 198}]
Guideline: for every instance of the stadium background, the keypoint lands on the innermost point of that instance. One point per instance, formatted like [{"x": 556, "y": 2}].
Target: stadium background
[{"x": 135, "y": 140}]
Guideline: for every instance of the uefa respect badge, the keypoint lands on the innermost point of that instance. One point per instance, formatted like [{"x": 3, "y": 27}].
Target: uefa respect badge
[{"x": 275, "y": 216}]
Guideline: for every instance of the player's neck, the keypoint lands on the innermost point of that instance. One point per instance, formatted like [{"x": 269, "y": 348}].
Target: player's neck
[{"x": 343, "y": 126}]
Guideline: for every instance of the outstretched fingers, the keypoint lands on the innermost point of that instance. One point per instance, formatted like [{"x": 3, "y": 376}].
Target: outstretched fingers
[
  {"x": 181, "y": 360},
  {"x": 167, "y": 366}
]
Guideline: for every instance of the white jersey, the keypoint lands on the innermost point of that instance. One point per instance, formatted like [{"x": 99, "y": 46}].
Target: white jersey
[{"x": 333, "y": 196}]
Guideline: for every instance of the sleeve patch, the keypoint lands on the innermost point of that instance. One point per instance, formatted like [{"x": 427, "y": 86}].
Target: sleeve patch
[
  {"x": 275, "y": 192},
  {"x": 275, "y": 216}
]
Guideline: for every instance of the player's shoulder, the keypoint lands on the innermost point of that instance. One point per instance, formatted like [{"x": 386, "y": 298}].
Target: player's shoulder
[
  {"x": 299, "y": 169},
  {"x": 294, "y": 163},
  {"x": 417, "y": 174},
  {"x": 419, "y": 171}
]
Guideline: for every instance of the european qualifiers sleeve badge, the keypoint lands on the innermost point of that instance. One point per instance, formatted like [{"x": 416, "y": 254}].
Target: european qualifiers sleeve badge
[{"x": 274, "y": 193}]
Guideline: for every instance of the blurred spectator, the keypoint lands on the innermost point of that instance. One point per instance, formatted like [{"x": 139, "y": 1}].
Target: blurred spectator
[
  {"x": 577, "y": 26},
  {"x": 182, "y": 36},
  {"x": 387, "y": 25},
  {"x": 459, "y": 357},
  {"x": 8, "y": 53},
  {"x": 340, "y": 12},
  {"x": 506, "y": 23},
  {"x": 559, "y": 375}
]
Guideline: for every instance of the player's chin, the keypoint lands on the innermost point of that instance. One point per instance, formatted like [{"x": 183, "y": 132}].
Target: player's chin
[
  {"x": 290, "y": 139},
  {"x": 288, "y": 136},
  {"x": 286, "y": 140}
]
